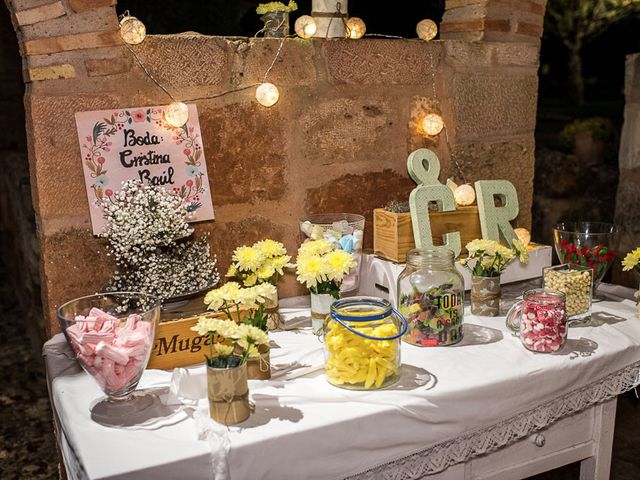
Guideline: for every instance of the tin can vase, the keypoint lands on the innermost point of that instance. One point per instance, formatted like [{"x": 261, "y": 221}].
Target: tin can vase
[
  {"x": 485, "y": 296},
  {"x": 276, "y": 24},
  {"x": 228, "y": 393},
  {"x": 260, "y": 368},
  {"x": 272, "y": 312},
  {"x": 320, "y": 308}
]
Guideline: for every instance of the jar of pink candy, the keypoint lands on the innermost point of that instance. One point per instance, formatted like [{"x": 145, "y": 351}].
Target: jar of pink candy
[{"x": 540, "y": 320}]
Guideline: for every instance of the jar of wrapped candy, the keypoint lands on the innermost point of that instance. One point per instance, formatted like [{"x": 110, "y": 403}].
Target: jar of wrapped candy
[
  {"x": 540, "y": 319},
  {"x": 362, "y": 343},
  {"x": 431, "y": 298}
]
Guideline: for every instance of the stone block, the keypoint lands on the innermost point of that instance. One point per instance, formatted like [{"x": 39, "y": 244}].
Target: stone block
[
  {"x": 41, "y": 13},
  {"x": 454, "y": 4},
  {"x": 475, "y": 11},
  {"x": 380, "y": 62},
  {"x": 359, "y": 193},
  {"x": 493, "y": 106},
  {"x": 82, "y": 5},
  {"x": 467, "y": 54},
  {"x": 632, "y": 78},
  {"x": 99, "y": 20},
  {"x": 64, "y": 43},
  {"x": 629, "y": 142},
  {"x": 513, "y": 161},
  {"x": 461, "y": 26},
  {"x": 529, "y": 29},
  {"x": 517, "y": 54},
  {"x": 245, "y": 147},
  {"x": 352, "y": 128},
  {"x": 52, "y": 72},
  {"x": 186, "y": 60},
  {"x": 97, "y": 67},
  {"x": 56, "y": 165},
  {"x": 294, "y": 66},
  {"x": 74, "y": 264}
]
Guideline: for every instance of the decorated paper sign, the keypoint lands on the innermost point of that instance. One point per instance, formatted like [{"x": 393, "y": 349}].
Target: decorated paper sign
[{"x": 136, "y": 143}]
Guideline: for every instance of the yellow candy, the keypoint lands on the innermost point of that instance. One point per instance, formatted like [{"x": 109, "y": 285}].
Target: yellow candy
[{"x": 353, "y": 359}]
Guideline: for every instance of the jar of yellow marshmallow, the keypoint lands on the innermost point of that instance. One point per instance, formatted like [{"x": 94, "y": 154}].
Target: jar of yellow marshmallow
[{"x": 362, "y": 343}]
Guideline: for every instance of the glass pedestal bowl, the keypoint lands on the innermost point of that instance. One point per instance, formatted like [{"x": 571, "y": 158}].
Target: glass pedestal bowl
[
  {"x": 111, "y": 335},
  {"x": 587, "y": 244}
]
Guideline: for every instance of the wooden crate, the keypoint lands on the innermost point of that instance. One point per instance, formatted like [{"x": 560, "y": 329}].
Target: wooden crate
[{"x": 393, "y": 232}]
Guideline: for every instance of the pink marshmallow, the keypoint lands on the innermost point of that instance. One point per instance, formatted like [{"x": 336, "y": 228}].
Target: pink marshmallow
[
  {"x": 96, "y": 312},
  {"x": 114, "y": 354}
]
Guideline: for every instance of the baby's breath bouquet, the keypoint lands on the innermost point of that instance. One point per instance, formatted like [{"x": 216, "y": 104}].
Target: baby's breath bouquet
[
  {"x": 232, "y": 297},
  {"x": 230, "y": 344},
  {"x": 321, "y": 267},
  {"x": 491, "y": 258},
  {"x": 262, "y": 262},
  {"x": 149, "y": 238},
  {"x": 269, "y": 7}
]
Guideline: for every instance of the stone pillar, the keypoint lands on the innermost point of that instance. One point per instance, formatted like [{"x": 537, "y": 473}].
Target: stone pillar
[
  {"x": 493, "y": 20},
  {"x": 330, "y": 23},
  {"x": 628, "y": 197}
]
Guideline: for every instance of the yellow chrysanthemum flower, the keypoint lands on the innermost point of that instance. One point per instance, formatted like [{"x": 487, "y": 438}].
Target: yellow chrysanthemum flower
[
  {"x": 266, "y": 271},
  {"x": 223, "y": 350},
  {"x": 311, "y": 270},
  {"x": 250, "y": 335},
  {"x": 339, "y": 263},
  {"x": 248, "y": 259},
  {"x": 631, "y": 260},
  {"x": 270, "y": 248},
  {"x": 315, "y": 247}
]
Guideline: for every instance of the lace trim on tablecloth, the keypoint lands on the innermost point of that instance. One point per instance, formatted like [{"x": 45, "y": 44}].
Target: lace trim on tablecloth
[{"x": 441, "y": 456}]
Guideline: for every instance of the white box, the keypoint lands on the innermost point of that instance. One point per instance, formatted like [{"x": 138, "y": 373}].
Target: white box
[{"x": 379, "y": 277}]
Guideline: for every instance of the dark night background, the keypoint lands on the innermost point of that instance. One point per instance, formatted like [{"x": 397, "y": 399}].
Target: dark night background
[{"x": 27, "y": 448}]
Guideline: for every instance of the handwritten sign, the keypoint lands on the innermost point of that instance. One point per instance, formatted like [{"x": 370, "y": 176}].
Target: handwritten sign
[{"x": 136, "y": 143}]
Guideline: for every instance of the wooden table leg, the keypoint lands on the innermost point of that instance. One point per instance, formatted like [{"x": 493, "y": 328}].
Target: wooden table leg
[{"x": 598, "y": 467}]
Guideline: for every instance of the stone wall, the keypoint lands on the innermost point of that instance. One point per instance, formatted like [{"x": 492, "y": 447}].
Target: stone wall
[
  {"x": 628, "y": 197},
  {"x": 337, "y": 140}
]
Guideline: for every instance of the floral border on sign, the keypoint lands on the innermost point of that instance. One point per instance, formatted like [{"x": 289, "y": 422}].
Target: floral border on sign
[{"x": 99, "y": 142}]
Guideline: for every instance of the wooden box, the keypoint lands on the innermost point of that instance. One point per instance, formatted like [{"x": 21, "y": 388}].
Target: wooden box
[{"x": 393, "y": 232}]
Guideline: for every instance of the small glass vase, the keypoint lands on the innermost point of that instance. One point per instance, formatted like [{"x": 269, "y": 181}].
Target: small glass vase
[
  {"x": 228, "y": 393},
  {"x": 485, "y": 296},
  {"x": 320, "y": 308},
  {"x": 276, "y": 24}
]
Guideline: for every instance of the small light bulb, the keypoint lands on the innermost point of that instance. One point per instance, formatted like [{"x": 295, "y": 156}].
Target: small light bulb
[
  {"x": 132, "y": 30},
  {"x": 305, "y": 26},
  {"x": 267, "y": 94},
  {"x": 427, "y": 29},
  {"x": 465, "y": 195},
  {"x": 523, "y": 235},
  {"x": 432, "y": 124},
  {"x": 176, "y": 114},
  {"x": 355, "y": 28}
]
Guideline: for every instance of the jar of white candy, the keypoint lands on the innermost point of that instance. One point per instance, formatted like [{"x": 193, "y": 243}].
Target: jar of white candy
[{"x": 576, "y": 283}]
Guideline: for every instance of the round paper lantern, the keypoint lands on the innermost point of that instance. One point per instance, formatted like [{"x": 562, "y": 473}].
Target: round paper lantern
[
  {"x": 267, "y": 94},
  {"x": 432, "y": 124},
  {"x": 523, "y": 235},
  {"x": 427, "y": 29},
  {"x": 305, "y": 26},
  {"x": 132, "y": 30},
  {"x": 176, "y": 114},
  {"x": 464, "y": 195},
  {"x": 355, "y": 28}
]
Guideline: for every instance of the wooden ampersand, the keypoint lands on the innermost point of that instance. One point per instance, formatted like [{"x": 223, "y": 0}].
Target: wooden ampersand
[{"x": 424, "y": 167}]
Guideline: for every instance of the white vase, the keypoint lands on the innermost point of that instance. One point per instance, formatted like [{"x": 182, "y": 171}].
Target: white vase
[
  {"x": 320, "y": 308},
  {"x": 329, "y": 23}
]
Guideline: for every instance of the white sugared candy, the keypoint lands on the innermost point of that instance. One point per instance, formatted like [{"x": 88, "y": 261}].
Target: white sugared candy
[{"x": 575, "y": 284}]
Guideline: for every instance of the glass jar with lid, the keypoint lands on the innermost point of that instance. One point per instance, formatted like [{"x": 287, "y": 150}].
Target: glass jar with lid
[
  {"x": 431, "y": 298},
  {"x": 362, "y": 343}
]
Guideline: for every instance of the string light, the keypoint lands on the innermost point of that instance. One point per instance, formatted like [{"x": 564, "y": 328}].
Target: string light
[
  {"x": 427, "y": 29},
  {"x": 305, "y": 26},
  {"x": 267, "y": 94},
  {"x": 523, "y": 235},
  {"x": 132, "y": 30},
  {"x": 464, "y": 195},
  {"x": 355, "y": 28},
  {"x": 432, "y": 124},
  {"x": 176, "y": 114}
]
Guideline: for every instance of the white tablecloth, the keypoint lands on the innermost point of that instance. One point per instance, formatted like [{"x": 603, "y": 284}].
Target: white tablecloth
[{"x": 306, "y": 428}]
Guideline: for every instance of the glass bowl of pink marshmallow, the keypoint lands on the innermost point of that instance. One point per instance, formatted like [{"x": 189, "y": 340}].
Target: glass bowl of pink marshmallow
[{"x": 111, "y": 335}]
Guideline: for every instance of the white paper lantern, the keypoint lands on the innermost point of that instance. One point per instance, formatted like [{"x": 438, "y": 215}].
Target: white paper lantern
[
  {"x": 465, "y": 195},
  {"x": 176, "y": 114},
  {"x": 132, "y": 30},
  {"x": 432, "y": 124},
  {"x": 305, "y": 26},
  {"x": 427, "y": 29},
  {"x": 355, "y": 28},
  {"x": 267, "y": 94},
  {"x": 523, "y": 235}
]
